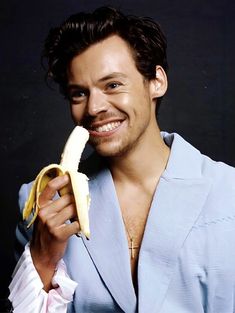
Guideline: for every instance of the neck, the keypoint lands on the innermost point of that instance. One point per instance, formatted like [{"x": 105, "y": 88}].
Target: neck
[{"x": 144, "y": 163}]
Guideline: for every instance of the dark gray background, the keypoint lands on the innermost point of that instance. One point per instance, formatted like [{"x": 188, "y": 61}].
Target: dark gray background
[{"x": 35, "y": 120}]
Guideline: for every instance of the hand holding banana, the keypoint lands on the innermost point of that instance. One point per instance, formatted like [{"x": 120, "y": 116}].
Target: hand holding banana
[{"x": 70, "y": 160}]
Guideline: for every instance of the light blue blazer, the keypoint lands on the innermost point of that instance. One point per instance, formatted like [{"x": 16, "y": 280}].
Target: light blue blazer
[{"x": 187, "y": 257}]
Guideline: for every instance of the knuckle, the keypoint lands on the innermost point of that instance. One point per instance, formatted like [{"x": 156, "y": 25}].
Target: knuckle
[
  {"x": 41, "y": 216},
  {"x": 55, "y": 232},
  {"x": 72, "y": 210},
  {"x": 68, "y": 198},
  {"x": 52, "y": 185},
  {"x": 51, "y": 225},
  {"x": 42, "y": 201}
]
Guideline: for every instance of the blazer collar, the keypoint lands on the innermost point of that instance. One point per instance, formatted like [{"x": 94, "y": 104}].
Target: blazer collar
[{"x": 184, "y": 161}]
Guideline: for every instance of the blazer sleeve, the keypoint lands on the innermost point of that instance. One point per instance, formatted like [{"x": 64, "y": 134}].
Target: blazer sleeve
[{"x": 23, "y": 234}]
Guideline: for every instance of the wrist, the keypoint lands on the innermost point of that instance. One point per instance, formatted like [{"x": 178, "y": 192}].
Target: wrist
[{"x": 45, "y": 267}]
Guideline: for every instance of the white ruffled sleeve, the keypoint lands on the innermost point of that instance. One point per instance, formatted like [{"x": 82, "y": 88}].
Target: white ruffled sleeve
[{"x": 26, "y": 288}]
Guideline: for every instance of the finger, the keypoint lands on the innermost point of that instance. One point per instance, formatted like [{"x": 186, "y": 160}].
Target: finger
[
  {"x": 62, "y": 217},
  {"x": 66, "y": 230},
  {"x": 67, "y": 189},
  {"x": 54, "y": 207},
  {"x": 52, "y": 188}
]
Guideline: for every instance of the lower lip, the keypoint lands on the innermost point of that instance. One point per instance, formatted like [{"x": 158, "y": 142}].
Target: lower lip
[{"x": 94, "y": 133}]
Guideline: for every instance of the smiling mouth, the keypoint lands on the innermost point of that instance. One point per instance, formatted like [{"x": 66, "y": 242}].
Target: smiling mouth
[{"x": 106, "y": 127}]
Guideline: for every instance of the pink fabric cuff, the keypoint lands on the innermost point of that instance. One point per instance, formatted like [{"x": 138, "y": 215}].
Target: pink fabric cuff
[{"x": 26, "y": 288}]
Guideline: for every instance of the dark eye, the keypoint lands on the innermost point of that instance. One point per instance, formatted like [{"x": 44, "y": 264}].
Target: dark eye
[
  {"x": 76, "y": 95},
  {"x": 113, "y": 85}
]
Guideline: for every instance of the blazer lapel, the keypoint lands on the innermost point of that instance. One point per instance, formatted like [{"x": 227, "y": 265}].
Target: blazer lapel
[
  {"x": 108, "y": 245},
  {"x": 176, "y": 205},
  {"x": 175, "y": 208}
]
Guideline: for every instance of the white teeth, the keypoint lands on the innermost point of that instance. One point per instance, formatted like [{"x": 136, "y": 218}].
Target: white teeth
[{"x": 107, "y": 127}]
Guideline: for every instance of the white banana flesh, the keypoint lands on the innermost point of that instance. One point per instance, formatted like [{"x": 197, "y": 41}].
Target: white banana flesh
[{"x": 69, "y": 163}]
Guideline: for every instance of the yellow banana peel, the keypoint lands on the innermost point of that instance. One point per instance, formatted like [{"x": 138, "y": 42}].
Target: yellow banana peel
[{"x": 69, "y": 163}]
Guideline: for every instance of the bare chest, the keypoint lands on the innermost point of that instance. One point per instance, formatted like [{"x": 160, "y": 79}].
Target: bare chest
[{"x": 135, "y": 209}]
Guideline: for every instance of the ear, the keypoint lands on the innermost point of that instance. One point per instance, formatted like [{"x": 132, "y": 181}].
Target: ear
[{"x": 158, "y": 86}]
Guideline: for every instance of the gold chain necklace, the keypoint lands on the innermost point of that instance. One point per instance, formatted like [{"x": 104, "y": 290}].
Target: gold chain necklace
[{"x": 132, "y": 245}]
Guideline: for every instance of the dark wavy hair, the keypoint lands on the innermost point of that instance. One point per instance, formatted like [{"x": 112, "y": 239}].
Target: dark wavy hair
[{"x": 143, "y": 35}]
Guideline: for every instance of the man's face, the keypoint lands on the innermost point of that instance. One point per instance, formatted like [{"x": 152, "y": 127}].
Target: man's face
[{"x": 110, "y": 98}]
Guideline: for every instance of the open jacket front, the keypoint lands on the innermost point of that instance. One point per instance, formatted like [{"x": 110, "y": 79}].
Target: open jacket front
[{"x": 187, "y": 256}]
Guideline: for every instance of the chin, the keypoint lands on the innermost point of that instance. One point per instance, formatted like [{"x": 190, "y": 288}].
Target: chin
[
  {"x": 109, "y": 149},
  {"x": 108, "y": 153},
  {"x": 112, "y": 152}
]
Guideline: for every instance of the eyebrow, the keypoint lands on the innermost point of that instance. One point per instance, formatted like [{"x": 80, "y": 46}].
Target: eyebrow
[{"x": 112, "y": 75}]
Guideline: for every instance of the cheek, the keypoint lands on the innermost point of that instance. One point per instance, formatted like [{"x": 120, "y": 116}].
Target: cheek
[
  {"x": 122, "y": 101},
  {"x": 77, "y": 112}
]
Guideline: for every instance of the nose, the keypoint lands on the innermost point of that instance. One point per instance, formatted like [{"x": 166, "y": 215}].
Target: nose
[{"x": 97, "y": 103}]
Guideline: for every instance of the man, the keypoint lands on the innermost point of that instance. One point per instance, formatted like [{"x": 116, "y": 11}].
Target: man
[{"x": 162, "y": 215}]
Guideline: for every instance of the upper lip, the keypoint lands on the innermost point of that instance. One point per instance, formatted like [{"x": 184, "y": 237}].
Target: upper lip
[{"x": 104, "y": 122}]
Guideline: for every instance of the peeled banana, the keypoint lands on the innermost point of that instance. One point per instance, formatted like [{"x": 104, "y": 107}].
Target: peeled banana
[{"x": 69, "y": 163}]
